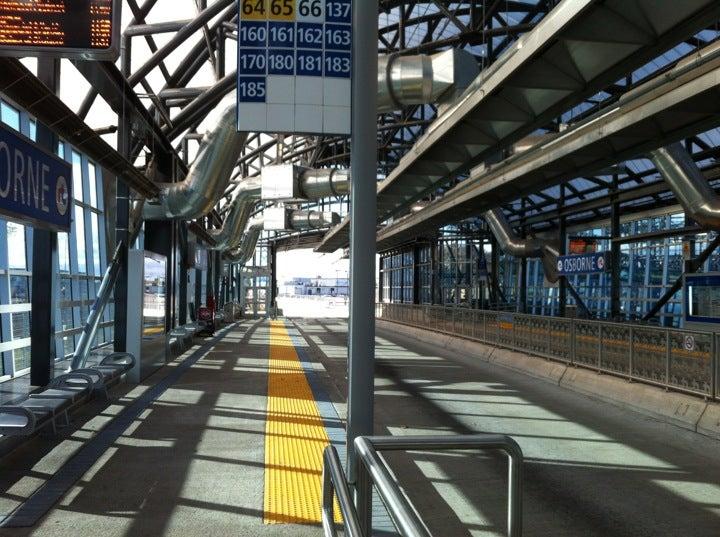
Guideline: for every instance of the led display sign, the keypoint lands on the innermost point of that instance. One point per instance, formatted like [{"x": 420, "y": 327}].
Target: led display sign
[{"x": 88, "y": 29}]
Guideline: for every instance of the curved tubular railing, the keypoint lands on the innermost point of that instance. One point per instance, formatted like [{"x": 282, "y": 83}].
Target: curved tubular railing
[
  {"x": 372, "y": 469},
  {"x": 334, "y": 484}
]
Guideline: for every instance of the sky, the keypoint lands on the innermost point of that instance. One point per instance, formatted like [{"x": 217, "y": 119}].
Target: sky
[{"x": 308, "y": 264}]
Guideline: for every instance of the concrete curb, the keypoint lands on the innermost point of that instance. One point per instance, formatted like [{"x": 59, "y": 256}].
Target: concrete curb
[{"x": 681, "y": 410}]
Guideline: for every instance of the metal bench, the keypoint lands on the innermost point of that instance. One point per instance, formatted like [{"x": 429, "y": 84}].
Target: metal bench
[
  {"x": 108, "y": 371},
  {"x": 47, "y": 407},
  {"x": 181, "y": 338}
]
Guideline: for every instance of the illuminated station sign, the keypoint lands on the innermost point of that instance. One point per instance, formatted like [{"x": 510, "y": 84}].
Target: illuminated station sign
[{"x": 88, "y": 29}]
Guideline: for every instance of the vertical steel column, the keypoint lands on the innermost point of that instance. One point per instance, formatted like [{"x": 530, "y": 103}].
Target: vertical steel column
[
  {"x": 363, "y": 214},
  {"x": 198, "y": 290},
  {"x": 122, "y": 217},
  {"x": 562, "y": 282},
  {"x": 273, "y": 276},
  {"x": 183, "y": 275},
  {"x": 494, "y": 283},
  {"x": 615, "y": 310},
  {"x": 523, "y": 277},
  {"x": 217, "y": 274},
  {"x": 44, "y": 261},
  {"x": 209, "y": 279}
]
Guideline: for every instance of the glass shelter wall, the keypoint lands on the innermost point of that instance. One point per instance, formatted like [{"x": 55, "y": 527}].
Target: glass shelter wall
[
  {"x": 449, "y": 273},
  {"x": 82, "y": 259}
]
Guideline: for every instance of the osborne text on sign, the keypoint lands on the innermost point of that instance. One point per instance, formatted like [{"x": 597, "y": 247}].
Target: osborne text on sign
[
  {"x": 34, "y": 184},
  {"x": 569, "y": 265}
]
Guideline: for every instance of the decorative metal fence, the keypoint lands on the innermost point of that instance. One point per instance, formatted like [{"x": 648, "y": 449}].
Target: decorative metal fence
[{"x": 682, "y": 360}]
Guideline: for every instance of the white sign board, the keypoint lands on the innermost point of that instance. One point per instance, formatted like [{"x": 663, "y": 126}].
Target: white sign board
[{"x": 294, "y": 66}]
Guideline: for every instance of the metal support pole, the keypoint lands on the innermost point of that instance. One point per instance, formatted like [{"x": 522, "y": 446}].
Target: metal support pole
[
  {"x": 562, "y": 284},
  {"x": 494, "y": 261},
  {"x": 198, "y": 291},
  {"x": 615, "y": 309},
  {"x": 44, "y": 262},
  {"x": 523, "y": 277},
  {"x": 209, "y": 279},
  {"x": 122, "y": 218},
  {"x": 273, "y": 277},
  {"x": 363, "y": 214}
]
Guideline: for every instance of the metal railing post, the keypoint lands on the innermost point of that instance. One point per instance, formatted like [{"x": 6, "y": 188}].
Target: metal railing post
[
  {"x": 668, "y": 352},
  {"x": 600, "y": 346},
  {"x": 714, "y": 365},
  {"x": 573, "y": 342},
  {"x": 334, "y": 484},
  {"x": 401, "y": 511},
  {"x": 363, "y": 498},
  {"x": 631, "y": 360}
]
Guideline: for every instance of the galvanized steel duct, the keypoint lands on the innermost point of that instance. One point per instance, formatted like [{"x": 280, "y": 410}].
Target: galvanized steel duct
[
  {"x": 688, "y": 184},
  {"x": 422, "y": 79},
  {"x": 318, "y": 184},
  {"x": 313, "y": 184},
  {"x": 243, "y": 205},
  {"x": 248, "y": 243},
  {"x": 547, "y": 250},
  {"x": 208, "y": 177},
  {"x": 299, "y": 221},
  {"x": 304, "y": 220}
]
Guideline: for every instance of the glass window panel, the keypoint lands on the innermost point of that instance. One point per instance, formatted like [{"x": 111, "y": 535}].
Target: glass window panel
[
  {"x": 92, "y": 180},
  {"x": 21, "y": 359},
  {"x": 68, "y": 345},
  {"x": 63, "y": 252},
  {"x": 65, "y": 291},
  {"x": 10, "y": 115},
  {"x": 19, "y": 289},
  {"x": 66, "y": 318},
  {"x": 96, "y": 243},
  {"x": 20, "y": 325},
  {"x": 33, "y": 130},
  {"x": 17, "y": 257},
  {"x": 77, "y": 176},
  {"x": 80, "y": 238}
]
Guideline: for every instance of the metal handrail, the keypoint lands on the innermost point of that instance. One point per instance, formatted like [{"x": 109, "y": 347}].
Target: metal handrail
[
  {"x": 372, "y": 469},
  {"x": 547, "y": 331},
  {"x": 335, "y": 484},
  {"x": 82, "y": 350}
]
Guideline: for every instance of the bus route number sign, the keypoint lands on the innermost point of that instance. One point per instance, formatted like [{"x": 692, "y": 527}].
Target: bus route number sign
[{"x": 295, "y": 66}]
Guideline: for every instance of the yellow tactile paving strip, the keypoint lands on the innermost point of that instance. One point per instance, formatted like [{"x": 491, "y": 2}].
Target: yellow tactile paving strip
[{"x": 295, "y": 438}]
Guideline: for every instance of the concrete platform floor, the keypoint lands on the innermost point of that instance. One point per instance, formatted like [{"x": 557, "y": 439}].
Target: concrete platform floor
[
  {"x": 191, "y": 466},
  {"x": 592, "y": 468},
  {"x": 193, "y": 463}
]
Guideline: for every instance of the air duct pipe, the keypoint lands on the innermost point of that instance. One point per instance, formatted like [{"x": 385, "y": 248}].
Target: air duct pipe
[
  {"x": 296, "y": 221},
  {"x": 208, "y": 177},
  {"x": 318, "y": 184},
  {"x": 422, "y": 79},
  {"x": 689, "y": 185},
  {"x": 302, "y": 183},
  {"x": 511, "y": 244},
  {"x": 305, "y": 220},
  {"x": 248, "y": 243},
  {"x": 237, "y": 217}
]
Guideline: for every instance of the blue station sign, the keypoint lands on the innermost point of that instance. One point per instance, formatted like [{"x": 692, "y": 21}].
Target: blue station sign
[
  {"x": 35, "y": 185},
  {"x": 570, "y": 265}
]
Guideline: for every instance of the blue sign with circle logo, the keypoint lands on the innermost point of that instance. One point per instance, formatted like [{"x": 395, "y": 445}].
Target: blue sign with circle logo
[
  {"x": 570, "y": 265},
  {"x": 35, "y": 185}
]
